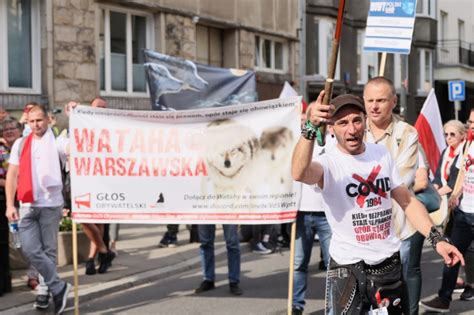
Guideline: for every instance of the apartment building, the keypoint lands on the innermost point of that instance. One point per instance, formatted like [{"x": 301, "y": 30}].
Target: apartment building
[
  {"x": 455, "y": 54},
  {"x": 412, "y": 74},
  {"x": 62, "y": 50}
]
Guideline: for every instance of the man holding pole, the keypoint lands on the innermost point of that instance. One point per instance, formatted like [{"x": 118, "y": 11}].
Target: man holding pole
[{"x": 365, "y": 269}]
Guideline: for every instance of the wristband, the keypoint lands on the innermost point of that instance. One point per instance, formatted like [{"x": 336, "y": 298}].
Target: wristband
[
  {"x": 436, "y": 236},
  {"x": 307, "y": 132}
]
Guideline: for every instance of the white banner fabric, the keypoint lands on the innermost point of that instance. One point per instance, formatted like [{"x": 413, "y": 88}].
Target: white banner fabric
[{"x": 227, "y": 165}]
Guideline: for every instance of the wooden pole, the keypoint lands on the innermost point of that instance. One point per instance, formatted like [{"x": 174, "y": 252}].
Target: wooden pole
[
  {"x": 74, "y": 261},
  {"x": 292, "y": 267},
  {"x": 382, "y": 64},
  {"x": 332, "y": 67}
]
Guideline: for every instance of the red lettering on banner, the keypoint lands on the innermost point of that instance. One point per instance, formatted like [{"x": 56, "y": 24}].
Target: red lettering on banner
[
  {"x": 121, "y": 133},
  {"x": 186, "y": 167},
  {"x": 83, "y": 166},
  {"x": 104, "y": 141},
  {"x": 174, "y": 166},
  {"x": 84, "y": 139},
  {"x": 122, "y": 170},
  {"x": 201, "y": 169},
  {"x": 109, "y": 166},
  {"x": 158, "y": 164},
  {"x": 172, "y": 145},
  {"x": 143, "y": 168},
  {"x": 98, "y": 169},
  {"x": 155, "y": 141},
  {"x": 131, "y": 173},
  {"x": 138, "y": 143}
]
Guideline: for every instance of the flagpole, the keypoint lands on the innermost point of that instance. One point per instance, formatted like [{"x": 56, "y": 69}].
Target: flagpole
[
  {"x": 75, "y": 266},
  {"x": 383, "y": 61},
  {"x": 292, "y": 268},
  {"x": 321, "y": 138}
]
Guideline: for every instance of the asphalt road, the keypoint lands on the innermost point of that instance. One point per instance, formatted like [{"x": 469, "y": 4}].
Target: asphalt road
[{"x": 264, "y": 280}]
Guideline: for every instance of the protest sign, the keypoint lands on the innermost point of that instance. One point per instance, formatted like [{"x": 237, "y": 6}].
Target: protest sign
[
  {"x": 390, "y": 26},
  {"x": 212, "y": 165}
]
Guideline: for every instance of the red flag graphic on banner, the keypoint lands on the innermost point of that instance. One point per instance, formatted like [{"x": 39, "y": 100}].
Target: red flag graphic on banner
[{"x": 430, "y": 130}]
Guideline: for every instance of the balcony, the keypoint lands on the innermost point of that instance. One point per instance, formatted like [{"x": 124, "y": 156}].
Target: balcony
[{"x": 455, "y": 53}]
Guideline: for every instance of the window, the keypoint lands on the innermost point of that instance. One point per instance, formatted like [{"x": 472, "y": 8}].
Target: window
[
  {"x": 123, "y": 35},
  {"x": 400, "y": 71},
  {"x": 443, "y": 27},
  {"x": 270, "y": 54},
  {"x": 461, "y": 30},
  {"x": 426, "y": 8},
  {"x": 426, "y": 71},
  {"x": 20, "y": 52},
  {"x": 209, "y": 46},
  {"x": 323, "y": 34},
  {"x": 367, "y": 61}
]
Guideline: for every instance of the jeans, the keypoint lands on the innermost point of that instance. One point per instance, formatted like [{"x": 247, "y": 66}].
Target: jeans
[
  {"x": 410, "y": 253},
  {"x": 38, "y": 229},
  {"x": 207, "y": 234},
  {"x": 461, "y": 236},
  {"x": 307, "y": 225}
]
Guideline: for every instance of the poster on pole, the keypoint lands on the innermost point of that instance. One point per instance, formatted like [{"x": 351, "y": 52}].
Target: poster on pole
[
  {"x": 390, "y": 25},
  {"x": 227, "y": 165}
]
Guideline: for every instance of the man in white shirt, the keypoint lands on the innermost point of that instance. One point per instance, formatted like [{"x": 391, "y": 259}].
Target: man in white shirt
[
  {"x": 34, "y": 173},
  {"x": 358, "y": 180}
]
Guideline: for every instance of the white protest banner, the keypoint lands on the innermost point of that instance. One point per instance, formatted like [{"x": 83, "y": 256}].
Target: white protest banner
[{"x": 228, "y": 165}]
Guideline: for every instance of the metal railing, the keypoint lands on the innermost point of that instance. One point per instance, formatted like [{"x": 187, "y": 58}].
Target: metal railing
[{"x": 455, "y": 52}]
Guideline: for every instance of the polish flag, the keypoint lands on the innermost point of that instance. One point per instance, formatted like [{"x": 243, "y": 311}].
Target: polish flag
[
  {"x": 289, "y": 91},
  {"x": 430, "y": 130}
]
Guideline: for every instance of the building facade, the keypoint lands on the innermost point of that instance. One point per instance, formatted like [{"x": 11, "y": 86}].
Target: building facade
[
  {"x": 412, "y": 74},
  {"x": 455, "y": 54},
  {"x": 62, "y": 50}
]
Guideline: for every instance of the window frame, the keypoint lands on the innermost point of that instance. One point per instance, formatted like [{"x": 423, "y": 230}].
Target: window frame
[
  {"x": 324, "y": 48},
  {"x": 150, "y": 36},
  {"x": 421, "y": 71},
  {"x": 365, "y": 59},
  {"x": 285, "y": 53},
  {"x": 431, "y": 4},
  {"x": 35, "y": 51}
]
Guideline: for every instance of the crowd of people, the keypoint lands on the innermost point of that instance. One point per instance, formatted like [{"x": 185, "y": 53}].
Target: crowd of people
[{"x": 361, "y": 198}]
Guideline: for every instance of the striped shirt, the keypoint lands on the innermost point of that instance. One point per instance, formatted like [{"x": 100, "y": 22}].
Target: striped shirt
[{"x": 401, "y": 140}]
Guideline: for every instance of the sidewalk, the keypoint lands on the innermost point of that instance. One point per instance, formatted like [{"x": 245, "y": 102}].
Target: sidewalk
[{"x": 140, "y": 260}]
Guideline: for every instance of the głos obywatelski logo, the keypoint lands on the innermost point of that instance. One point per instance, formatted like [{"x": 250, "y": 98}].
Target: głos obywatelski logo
[
  {"x": 364, "y": 187},
  {"x": 85, "y": 199}
]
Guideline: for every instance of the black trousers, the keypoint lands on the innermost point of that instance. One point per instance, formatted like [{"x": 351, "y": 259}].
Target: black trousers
[{"x": 5, "y": 277}]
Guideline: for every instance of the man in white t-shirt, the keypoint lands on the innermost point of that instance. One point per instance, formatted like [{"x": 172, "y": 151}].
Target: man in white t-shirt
[
  {"x": 34, "y": 174},
  {"x": 358, "y": 180}
]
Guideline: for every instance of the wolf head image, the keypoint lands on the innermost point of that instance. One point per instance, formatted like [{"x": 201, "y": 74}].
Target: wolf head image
[
  {"x": 231, "y": 153},
  {"x": 276, "y": 150}
]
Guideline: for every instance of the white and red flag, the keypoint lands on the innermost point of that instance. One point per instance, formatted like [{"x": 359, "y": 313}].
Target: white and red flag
[
  {"x": 289, "y": 91},
  {"x": 430, "y": 130}
]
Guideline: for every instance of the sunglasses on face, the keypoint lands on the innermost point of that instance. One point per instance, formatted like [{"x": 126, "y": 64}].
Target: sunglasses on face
[{"x": 450, "y": 134}]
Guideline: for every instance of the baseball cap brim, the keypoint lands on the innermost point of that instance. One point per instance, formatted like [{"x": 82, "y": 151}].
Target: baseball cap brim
[{"x": 344, "y": 100}]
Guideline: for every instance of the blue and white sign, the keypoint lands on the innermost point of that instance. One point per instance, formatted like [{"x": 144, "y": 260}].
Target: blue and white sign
[
  {"x": 457, "y": 91},
  {"x": 390, "y": 26}
]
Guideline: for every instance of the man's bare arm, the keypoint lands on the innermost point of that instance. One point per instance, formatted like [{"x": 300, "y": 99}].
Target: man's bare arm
[
  {"x": 420, "y": 219},
  {"x": 10, "y": 190}
]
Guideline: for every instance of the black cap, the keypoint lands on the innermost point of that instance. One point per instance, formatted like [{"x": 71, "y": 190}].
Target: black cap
[{"x": 346, "y": 100}]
